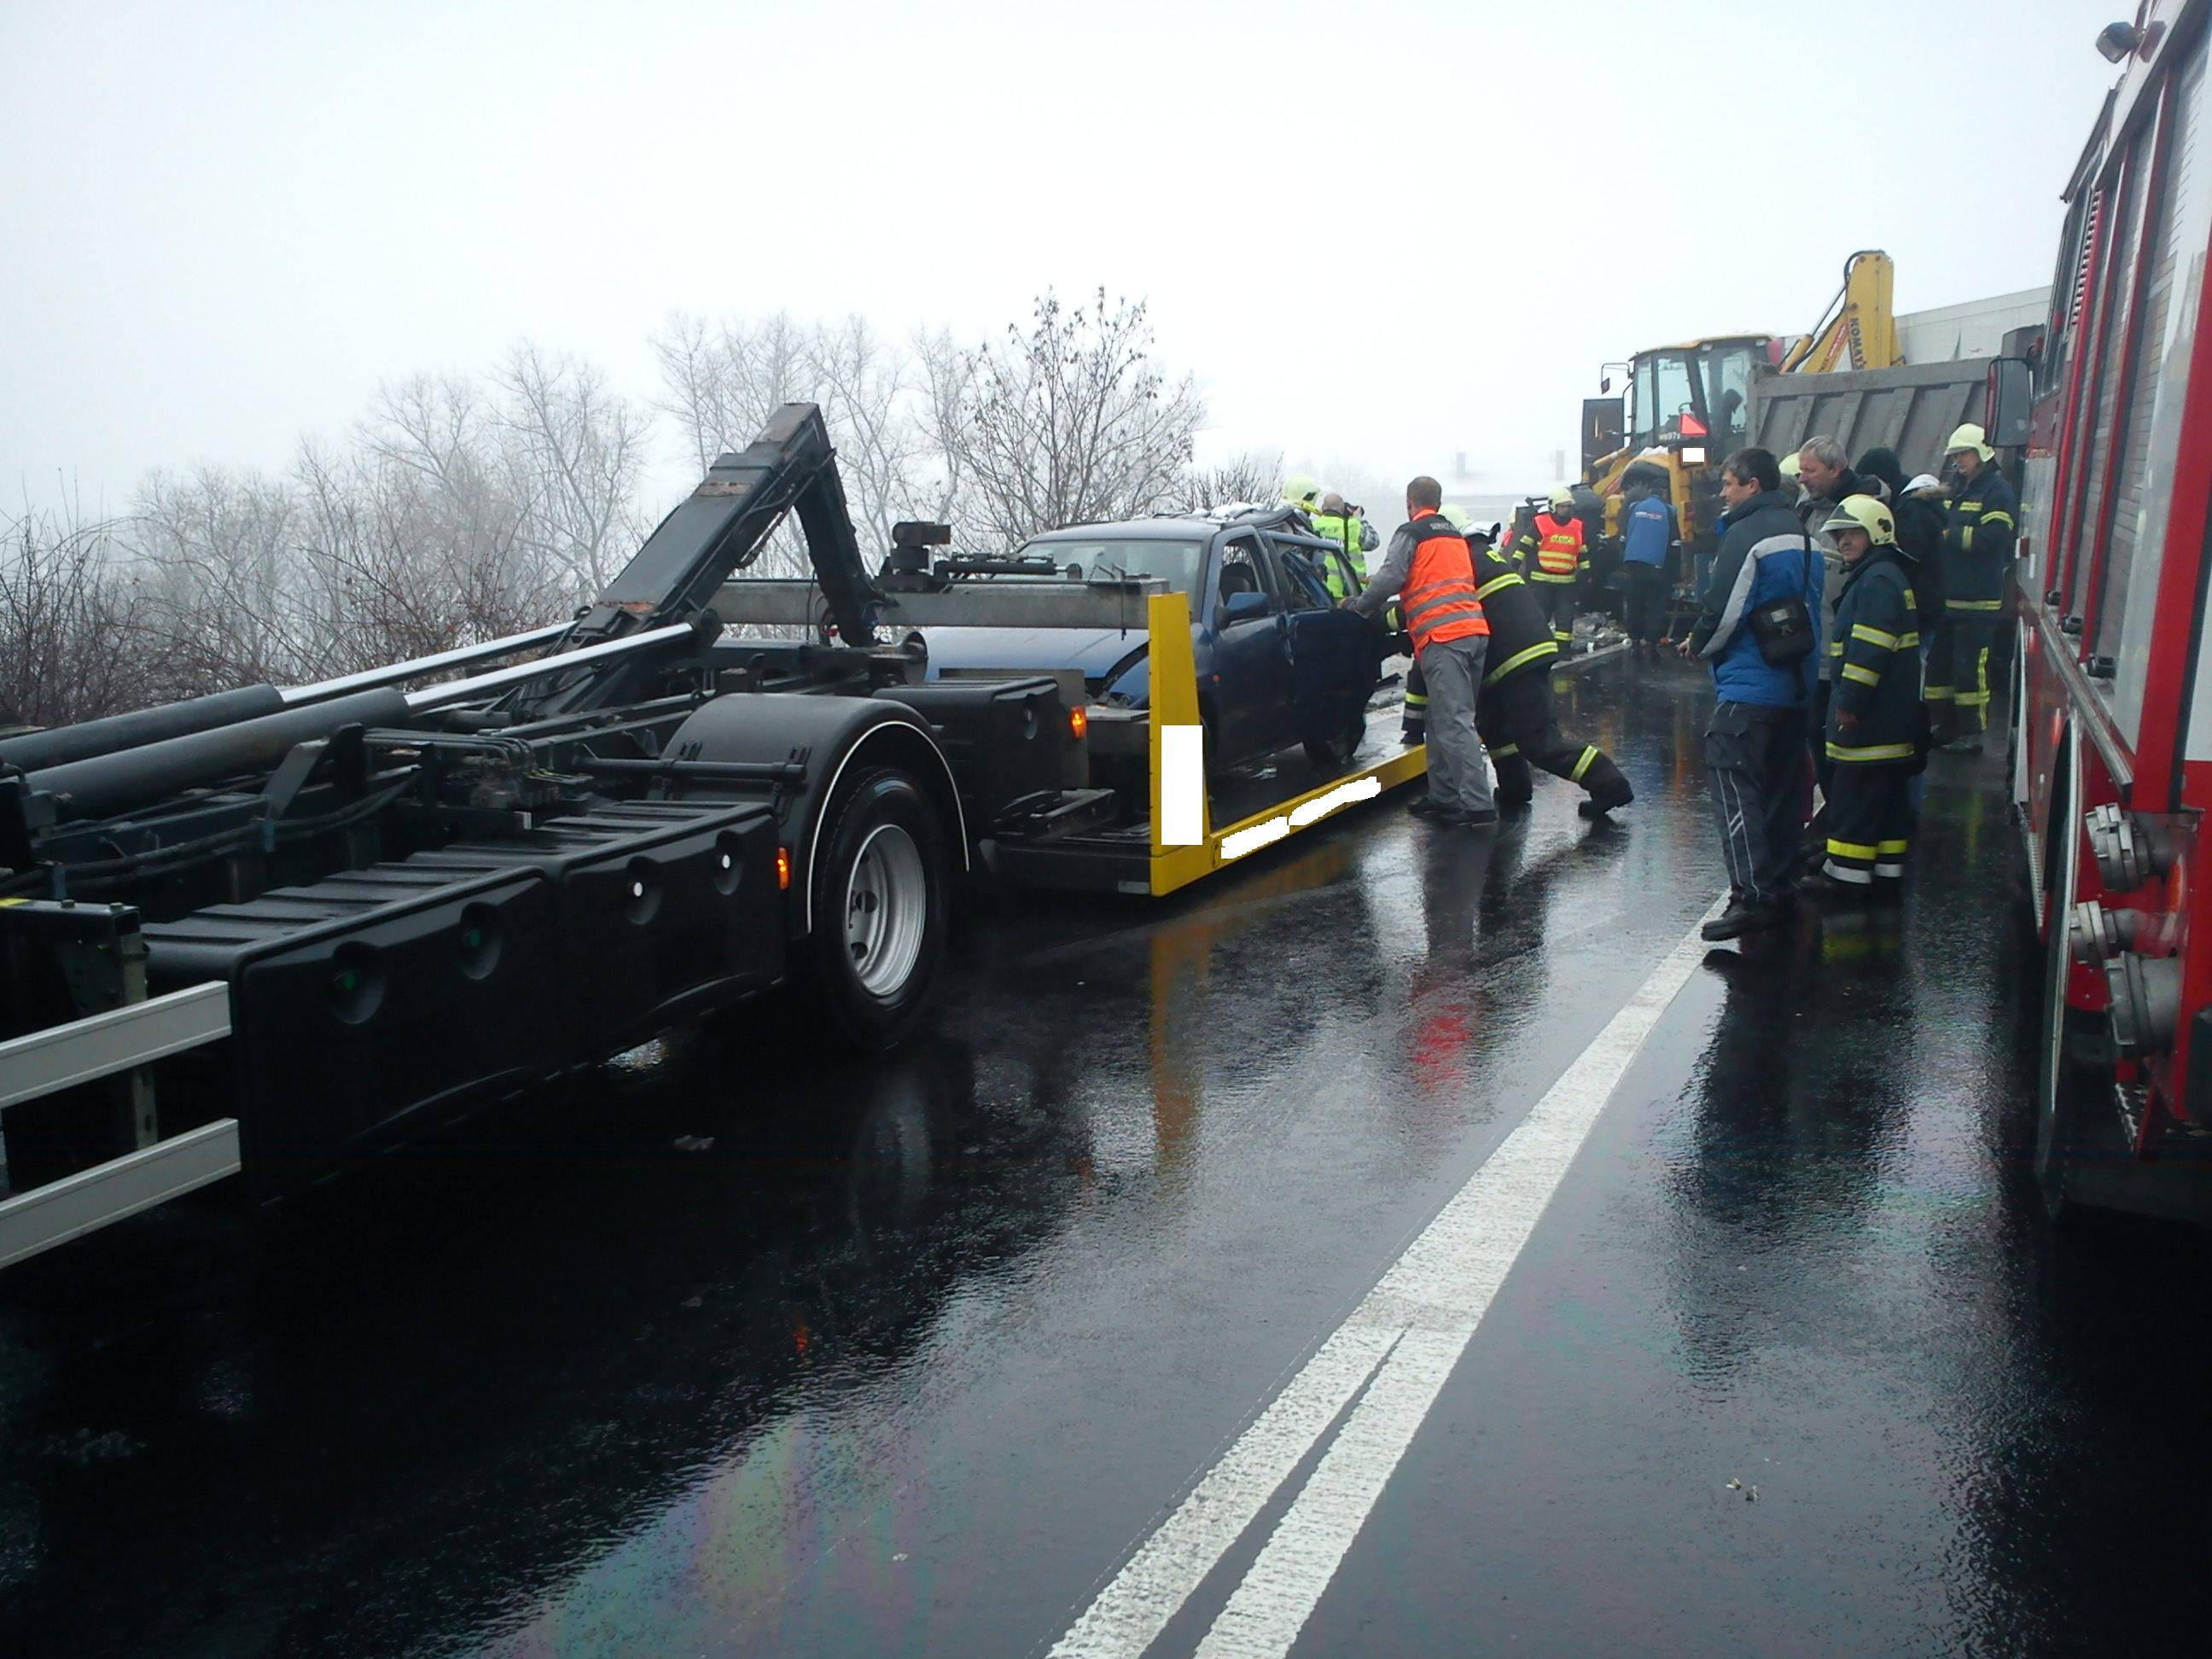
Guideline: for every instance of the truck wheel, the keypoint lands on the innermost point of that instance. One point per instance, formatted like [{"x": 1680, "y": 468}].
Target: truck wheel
[{"x": 880, "y": 899}]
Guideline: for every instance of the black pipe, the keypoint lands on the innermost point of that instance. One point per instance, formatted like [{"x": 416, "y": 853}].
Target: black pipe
[
  {"x": 732, "y": 771},
  {"x": 66, "y": 743},
  {"x": 105, "y": 785}
]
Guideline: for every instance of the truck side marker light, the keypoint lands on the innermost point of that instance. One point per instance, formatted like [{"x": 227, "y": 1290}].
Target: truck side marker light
[
  {"x": 1238, "y": 843},
  {"x": 1343, "y": 795},
  {"x": 1183, "y": 786},
  {"x": 783, "y": 869},
  {"x": 1079, "y": 722}
]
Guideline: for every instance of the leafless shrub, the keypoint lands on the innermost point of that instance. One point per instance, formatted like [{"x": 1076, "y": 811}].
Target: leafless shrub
[
  {"x": 1250, "y": 477},
  {"x": 1072, "y": 422},
  {"x": 70, "y": 645}
]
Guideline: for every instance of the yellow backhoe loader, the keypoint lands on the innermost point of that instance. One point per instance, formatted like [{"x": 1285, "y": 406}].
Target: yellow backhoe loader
[{"x": 1689, "y": 405}]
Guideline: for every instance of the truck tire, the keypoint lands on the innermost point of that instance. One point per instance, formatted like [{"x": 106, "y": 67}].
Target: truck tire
[{"x": 881, "y": 904}]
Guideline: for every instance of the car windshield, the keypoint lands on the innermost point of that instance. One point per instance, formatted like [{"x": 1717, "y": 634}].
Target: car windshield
[{"x": 1122, "y": 558}]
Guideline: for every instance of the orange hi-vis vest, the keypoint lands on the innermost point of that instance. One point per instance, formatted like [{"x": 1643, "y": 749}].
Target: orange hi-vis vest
[
  {"x": 1559, "y": 548},
  {"x": 1439, "y": 600}
]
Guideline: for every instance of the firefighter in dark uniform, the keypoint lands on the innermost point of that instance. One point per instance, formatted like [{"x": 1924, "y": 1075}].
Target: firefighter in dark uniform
[
  {"x": 1874, "y": 734},
  {"x": 1514, "y": 715},
  {"x": 1978, "y": 541}
]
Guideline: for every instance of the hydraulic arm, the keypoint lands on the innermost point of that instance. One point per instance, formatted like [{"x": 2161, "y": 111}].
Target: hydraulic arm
[
  {"x": 1859, "y": 328},
  {"x": 721, "y": 528}
]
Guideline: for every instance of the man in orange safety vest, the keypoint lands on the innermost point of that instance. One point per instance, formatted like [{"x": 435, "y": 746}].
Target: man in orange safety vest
[{"x": 1428, "y": 569}]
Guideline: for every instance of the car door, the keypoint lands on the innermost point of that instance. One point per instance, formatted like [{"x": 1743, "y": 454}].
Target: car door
[
  {"x": 1334, "y": 655},
  {"x": 1243, "y": 668}
]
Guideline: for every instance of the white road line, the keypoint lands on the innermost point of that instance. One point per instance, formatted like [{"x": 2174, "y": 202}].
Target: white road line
[{"x": 1406, "y": 1335}]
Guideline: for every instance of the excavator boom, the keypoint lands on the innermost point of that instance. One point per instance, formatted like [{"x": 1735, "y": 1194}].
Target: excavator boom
[{"x": 1858, "y": 330}]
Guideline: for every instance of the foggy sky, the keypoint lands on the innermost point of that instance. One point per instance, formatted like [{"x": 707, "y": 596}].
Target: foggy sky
[{"x": 1379, "y": 234}]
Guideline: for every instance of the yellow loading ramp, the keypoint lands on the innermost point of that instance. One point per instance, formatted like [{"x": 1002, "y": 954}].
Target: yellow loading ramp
[{"x": 1186, "y": 845}]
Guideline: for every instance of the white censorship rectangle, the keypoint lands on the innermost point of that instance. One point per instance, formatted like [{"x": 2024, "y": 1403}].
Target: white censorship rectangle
[{"x": 1183, "y": 786}]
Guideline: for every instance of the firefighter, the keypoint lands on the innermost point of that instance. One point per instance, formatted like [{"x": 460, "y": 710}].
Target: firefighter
[
  {"x": 1514, "y": 716},
  {"x": 1333, "y": 521},
  {"x": 1428, "y": 571},
  {"x": 1552, "y": 552},
  {"x": 1301, "y": 492},
  {"x": 1978, "y": 540},
  {"x": 1793, "y": 483},
  {"x": 1874, "y": 730}
]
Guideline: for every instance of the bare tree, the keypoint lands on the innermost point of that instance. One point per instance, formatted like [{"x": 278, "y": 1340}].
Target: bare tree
[
  {"x": 216, "y": 579},
  {"x": 1072, "y": 422},
  {"x": 456, "y": 511},
  {"x": 866, "y": 389},
  {"x": 1252, "y": 477},
  {"x": 68, "y": 647},
  {"x": 573, "y": 451},
  {"x": 948, "y": 374}
]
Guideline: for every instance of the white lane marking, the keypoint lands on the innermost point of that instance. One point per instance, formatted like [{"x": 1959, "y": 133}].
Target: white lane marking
[
  {"x": 1407, "y": 1335},
  {"x": 1279, "y": 1594},
  {"x": 1169, "y": 1564}
]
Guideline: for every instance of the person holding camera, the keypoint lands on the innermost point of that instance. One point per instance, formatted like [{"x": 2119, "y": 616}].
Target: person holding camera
[{"x": 1760, "y": 632}]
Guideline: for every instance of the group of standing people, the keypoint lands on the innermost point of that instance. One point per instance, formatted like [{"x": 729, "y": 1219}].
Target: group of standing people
[
  {"x": 1848, "y": 619},
  {"x": 1848, "y": 631}
]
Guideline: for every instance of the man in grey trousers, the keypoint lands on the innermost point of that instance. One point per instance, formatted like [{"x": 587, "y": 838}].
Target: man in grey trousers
[{"x": 1429, "y": 572}]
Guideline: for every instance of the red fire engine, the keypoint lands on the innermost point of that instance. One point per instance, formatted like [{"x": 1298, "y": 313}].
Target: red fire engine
[{"x": 2112, "y": 742}]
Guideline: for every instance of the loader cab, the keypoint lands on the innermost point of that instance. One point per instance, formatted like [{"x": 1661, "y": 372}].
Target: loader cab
[{"x": 1695, "y": 397}]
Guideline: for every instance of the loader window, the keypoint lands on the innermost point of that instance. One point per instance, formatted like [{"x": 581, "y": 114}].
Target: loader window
[
  {"x": 1662, "y": 397},
  {"x": 1727, "y": 390}
]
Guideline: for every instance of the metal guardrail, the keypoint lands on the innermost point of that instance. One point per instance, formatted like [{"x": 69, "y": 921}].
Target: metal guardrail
[{"x": 83, "y": 1051}]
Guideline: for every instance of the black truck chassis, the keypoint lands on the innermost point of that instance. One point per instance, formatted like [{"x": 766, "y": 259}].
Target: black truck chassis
[{"x": 423, "y": 900}]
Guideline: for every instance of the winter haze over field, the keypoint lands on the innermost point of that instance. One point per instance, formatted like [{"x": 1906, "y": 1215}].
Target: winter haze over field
[{"x": 1378, "y": 235}]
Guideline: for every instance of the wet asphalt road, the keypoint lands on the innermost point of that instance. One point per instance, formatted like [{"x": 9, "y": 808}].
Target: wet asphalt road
[{"x": 741, "y": 1349}]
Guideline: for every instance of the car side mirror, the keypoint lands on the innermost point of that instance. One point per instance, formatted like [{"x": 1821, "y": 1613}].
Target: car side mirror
[{"x": 1244, "y": 607}]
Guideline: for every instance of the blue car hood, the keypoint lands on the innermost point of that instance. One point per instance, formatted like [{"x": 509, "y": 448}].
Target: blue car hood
[{"x": 1094, "y": 650}]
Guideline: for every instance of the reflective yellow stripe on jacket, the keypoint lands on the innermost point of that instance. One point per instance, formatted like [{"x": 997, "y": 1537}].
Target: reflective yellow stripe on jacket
[{"x": 1870, "y": 751}]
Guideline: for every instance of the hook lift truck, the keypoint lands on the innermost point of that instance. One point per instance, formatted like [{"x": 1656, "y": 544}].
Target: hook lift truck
[{"x": 260, "y": 931}]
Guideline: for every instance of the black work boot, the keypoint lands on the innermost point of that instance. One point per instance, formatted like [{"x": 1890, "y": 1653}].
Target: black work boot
[
  {"x": 1428, "y": 806},
  {"x": 1743, "y": 915},
  {"x": 1602, "y": 801}
]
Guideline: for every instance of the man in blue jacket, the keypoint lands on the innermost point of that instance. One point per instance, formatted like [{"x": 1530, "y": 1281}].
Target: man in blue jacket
[
  {"x": 1755, "y": 743},
  {"x": 1648, "y": 535}
]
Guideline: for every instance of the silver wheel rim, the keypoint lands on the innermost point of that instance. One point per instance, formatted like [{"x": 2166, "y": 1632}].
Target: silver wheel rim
[{"x": 886, "y": 910}]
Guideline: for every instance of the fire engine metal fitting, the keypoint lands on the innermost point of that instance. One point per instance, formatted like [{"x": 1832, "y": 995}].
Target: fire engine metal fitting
[
  {"x": 2146, "y": 1003},
  {"x": 2129, "y": 848},
  {"x": 2098, "y": 935}
]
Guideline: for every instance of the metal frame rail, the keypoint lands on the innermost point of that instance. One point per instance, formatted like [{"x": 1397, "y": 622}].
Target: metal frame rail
[{"x": 83, "y": 1051}]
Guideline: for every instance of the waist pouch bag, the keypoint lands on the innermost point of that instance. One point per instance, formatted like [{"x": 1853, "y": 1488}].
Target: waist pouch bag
[{"x": 1784, "y": 627}]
